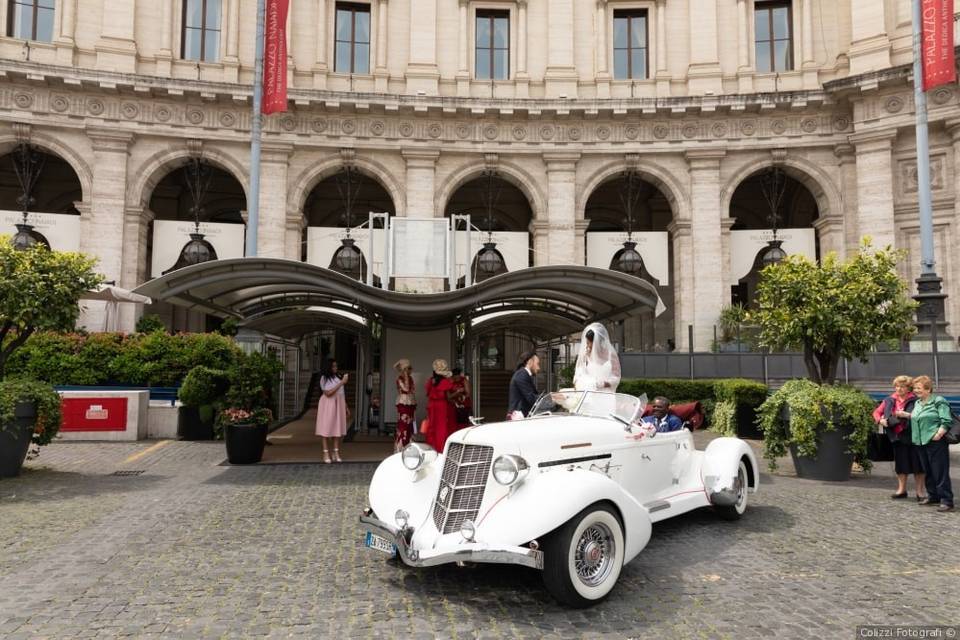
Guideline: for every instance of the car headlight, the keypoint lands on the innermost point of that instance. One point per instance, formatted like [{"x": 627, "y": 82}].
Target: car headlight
[
  {"x": 468, "y": 530},
  {"x": 416, "y": 455},
  {"x": 507, "y": 469}
]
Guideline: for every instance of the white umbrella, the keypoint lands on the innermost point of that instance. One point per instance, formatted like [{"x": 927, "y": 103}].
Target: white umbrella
[{"x": 113, "y": 296}]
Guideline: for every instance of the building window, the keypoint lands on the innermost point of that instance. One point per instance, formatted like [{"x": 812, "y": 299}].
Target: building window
[
  {"x": 201, "y": 30},
  {"x": 773, "y": 25},
  {"x": 493, "y": 45},
  {"x": 30, "y": 19},
  {"x": 352, "y": 52},
  {"x": 630, "y": 49}
]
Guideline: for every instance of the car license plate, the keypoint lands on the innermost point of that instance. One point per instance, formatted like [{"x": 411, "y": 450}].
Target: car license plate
[{"x": 380, "y": 544}]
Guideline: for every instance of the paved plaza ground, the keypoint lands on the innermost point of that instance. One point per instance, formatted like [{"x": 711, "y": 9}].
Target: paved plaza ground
[{"x": 191, "y": 548}]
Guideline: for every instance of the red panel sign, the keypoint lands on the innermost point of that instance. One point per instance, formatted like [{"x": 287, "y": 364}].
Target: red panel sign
[
  {"x": 275, "y": 57},
  {"x": 94, "y": 414},
  {"x": 937, "y": 43}
]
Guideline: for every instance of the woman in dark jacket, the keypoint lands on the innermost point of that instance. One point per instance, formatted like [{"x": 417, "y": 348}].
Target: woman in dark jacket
[{"x": 906, "y": 458}]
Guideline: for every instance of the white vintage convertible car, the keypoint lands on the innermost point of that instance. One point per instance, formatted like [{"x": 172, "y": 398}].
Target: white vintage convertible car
[{"x": 572, "y": 490}]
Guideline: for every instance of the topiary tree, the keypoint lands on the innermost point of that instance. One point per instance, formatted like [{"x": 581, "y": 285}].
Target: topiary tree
[
  {"x": 39, "y": 290},
  {"x": 150, "y": 322},
  {"x": 835, "y": 309}
]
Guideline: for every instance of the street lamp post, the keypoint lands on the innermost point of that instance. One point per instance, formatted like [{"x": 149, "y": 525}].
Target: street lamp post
[{"x": 930, "y": 296}]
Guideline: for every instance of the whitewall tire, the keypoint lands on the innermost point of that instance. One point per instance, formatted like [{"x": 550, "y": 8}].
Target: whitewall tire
[
  {"x": 583, "y": 558},
  {"x": 734, "y": 511}
]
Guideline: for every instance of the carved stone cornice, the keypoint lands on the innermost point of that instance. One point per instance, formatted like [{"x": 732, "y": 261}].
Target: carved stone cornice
[{"x": 110, "y": 139}]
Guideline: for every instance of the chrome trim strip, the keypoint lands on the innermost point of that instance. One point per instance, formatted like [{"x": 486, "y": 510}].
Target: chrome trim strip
[
  {"x": 555, "y": 463},
  {"x": 522, "y": 556}
]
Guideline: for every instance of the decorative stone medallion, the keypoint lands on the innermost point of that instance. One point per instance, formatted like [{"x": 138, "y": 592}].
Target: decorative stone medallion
[
  {"x": 631, "y": 132},
  {"x": 406, "y": 129},
  {"x": 227, "y": 119},
  {"x": 95, "y": 107},
  {"x": 547, "y": 132},
  {"x": 319, "y": 125},
  {"x": 809, "y": 125},
  {"x": 162, "y": 113},
  {"x": 194, "y": 116},
  {"x": 377, "y": 127},
  {"x": 893, "y": 104},
  {"x": 23, "y": 100},
  {"x": 719, "y": 129},
  {"x": 434, "y": 130},
  {"x": 942, "y": 95},
  {"x": 463, "y": 131},
  {"x": 778, "y": 126},
  {"x": 59, "y": 104},
  {"x": 519, "y": 132},
  {"x": 690, "y": 130},
  {"x": 130, "y": 110},
  {"x": 661, "y": 131},
  {"x": 574, "y": 133},
  {"x": 491, "y": 131},
  {"x": 603, "y": 132},
  {"x": 748, "y": 127},
  {"x": 348, "y": 127},
  {"x": 841, "y": 123}
]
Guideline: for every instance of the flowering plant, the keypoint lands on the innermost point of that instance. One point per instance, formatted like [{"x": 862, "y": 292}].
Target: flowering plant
[{"x": 234, "y": 416}]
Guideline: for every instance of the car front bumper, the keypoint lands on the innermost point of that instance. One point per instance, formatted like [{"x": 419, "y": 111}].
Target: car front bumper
[{"x": 465, "y": 552}]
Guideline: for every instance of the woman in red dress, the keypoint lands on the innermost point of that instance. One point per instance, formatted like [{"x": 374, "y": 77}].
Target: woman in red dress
[
  {"x": 463, "y": 404},
  {"x": 406, "y": 404},
  {"x": 441, "y": 416}
]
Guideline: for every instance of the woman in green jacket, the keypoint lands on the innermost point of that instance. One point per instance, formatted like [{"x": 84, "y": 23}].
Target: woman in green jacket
[{"x": 929, "y": 422}]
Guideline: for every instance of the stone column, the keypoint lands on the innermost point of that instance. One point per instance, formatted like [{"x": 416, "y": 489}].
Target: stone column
[
  {"x": 875, "y": 186},
  {"x": 600, "y": 28},
  {"x": 561, "y": 74},
  {"x": 64, "y": 42},
  {"x": 562, "y": 207},
  {"x": 294, "y": 235},
  {"x": 744, "y": 69},
  {"x": 704, "y": 70},
  {"x": 706, "y": 236},
  {"x": 135, "y": 226},
  {"x": 808, "y": 55},
  {"x": 663, "y": 69},
  {"x": 847, "y": 163},
  {"x": 116, "y": 49},
  {"x": 320, "y": 68},
  {"x": 422, "y": 74},
  {"x": 380, "y": 74},
  {"x": 870, "y": 46},
  {"x": 951, "y": 281},
  {"x": 165, "y": 54},
  {"x": 231, "y": 61},
  {"x": 463, "y": 51},
  {"x": 421, "y": 182},
  {"x": 105, "y": 219},
  {"x": 683, "y": 280},
  {"x": 275, "y": 160},
  {"x": 521, "y": 76}
]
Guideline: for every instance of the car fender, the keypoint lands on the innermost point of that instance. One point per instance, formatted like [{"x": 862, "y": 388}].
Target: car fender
[
  {"x": 721, "y": 462},
  {"x": 395, "y": 487},
  {"x": 545, "y": 501}
]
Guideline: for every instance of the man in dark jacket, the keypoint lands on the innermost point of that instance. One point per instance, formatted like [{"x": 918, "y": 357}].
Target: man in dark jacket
[{"x": 523, "y": 385}]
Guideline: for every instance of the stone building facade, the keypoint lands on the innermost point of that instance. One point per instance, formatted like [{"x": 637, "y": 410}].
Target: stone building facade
[{"x": 697, "y": 96}]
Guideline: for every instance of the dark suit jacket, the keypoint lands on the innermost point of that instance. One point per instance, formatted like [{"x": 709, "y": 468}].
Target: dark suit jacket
[{"x": 523, "y": 392}]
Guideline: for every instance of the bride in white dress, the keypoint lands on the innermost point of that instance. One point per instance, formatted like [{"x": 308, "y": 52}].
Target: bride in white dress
[{"x": 598, "y": 367}]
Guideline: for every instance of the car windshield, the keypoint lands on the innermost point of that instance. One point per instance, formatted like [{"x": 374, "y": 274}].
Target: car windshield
[{"x": 596, "y": 404}]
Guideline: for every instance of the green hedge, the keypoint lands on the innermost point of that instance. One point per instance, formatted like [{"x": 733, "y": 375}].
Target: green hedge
[
  {"x": 676, "y": 389},
  {"x": 153, "y": 359}
]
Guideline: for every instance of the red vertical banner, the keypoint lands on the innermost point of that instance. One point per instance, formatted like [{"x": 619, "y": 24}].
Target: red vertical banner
[
  {"x": 937, "y": 43},
  {"x": 275, "y": 57}
]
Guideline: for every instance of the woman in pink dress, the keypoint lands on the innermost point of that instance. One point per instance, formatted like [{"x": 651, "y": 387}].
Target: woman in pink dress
[
  {"x": 332, "y": 410},
  {"x": 441, "y": 415}
]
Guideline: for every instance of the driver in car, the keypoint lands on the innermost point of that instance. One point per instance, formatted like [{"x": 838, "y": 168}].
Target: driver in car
[{"x": 662, "y": 419}]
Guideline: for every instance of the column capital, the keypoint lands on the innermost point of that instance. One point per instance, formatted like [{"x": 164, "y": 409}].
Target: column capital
[
  {"x": 679, "y": 228},
  {"x": 953, "y": 128},
  {"x": 704, "y": 158},
  {"x": 873, "y": 140},
  {"x": 561, "y": 160},
  {"x": 110, "y": 139},
  {"x": 276, "y": 152},
  {"x": 420, "y": 157}
]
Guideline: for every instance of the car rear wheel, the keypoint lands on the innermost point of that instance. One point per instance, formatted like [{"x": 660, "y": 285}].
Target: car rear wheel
[
  {"x": 734, "y": 511},
  {"x": 583, "y": 558}
]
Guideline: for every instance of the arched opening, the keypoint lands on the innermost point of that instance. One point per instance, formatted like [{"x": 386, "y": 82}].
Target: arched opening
[
  {"x": 767, "y": 200},
  {"x": 502, "y": 214},
  {"x": 333, "y": 208},
  {"x": 629, "y": 217},
  {"x": 190, "y": 193},
  {"x": 55, "y": 188}
]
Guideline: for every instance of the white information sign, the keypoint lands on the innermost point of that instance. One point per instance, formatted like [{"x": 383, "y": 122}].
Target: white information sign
[
  {"x": 419, "y": 247},
  {"x": 61, "y": 230},
  {"x": 169, "y": 236},
  {"x": 746, "y": 244},
  {"x": 653, "y": 247}
]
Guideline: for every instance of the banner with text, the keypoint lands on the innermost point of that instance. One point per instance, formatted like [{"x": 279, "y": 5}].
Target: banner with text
[
  {"x": 169, "y": 237},
  {"x": 653, "y": 247},
  {"x": 275, "y": 57},
  {"x": 937, "y": 43},
  {"x": 746, "y": 244},
  {"x": 61, "y": 230}
]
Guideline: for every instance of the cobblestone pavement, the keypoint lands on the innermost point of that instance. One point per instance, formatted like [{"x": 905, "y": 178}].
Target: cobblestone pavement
[{"x": 193, "y": 549}]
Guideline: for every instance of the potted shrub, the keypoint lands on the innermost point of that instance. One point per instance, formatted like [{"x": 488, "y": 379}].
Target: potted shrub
[
  {"x": 735, "y": 413},
  {"x": 245, "y": 433},
  {"x": 828, "y": 311},
  {"x": 29, "y": 414},
  {"x": 202, "y": 389}
]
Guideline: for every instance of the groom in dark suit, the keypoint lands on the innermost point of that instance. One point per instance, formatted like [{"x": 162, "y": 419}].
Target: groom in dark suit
[{"x": 523, "y": 385}]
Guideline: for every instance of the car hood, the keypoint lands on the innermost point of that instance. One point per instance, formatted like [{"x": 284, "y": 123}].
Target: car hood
[{"x": 547, "y": 436}]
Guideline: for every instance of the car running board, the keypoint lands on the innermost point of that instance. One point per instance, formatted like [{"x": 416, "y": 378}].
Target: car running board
[{"x": 656, "y": 505}]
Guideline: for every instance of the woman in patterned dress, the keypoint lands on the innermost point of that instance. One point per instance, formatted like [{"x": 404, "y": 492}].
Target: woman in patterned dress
[{"x": 406, "y": 404}]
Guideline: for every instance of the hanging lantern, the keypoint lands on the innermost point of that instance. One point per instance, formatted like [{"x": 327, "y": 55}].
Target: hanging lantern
[
  {"x": 489, "y": 262},
  {"x": 773, "y": 185},
  {"x": 349, "y": 260},
  {"x": 197, "y": 250},
  {"x": 27, "y": 237},
  {"x": 773, "y": 253},
  {"x": 627, "y": 260},
  {"x": 28, "y": 164}
]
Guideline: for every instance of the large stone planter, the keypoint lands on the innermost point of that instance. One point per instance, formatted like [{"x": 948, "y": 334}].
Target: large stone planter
[
  {"x": 832, "y": 462},
  {"x": 15, "y": 439},
  {"x": 245, "y": 442}
]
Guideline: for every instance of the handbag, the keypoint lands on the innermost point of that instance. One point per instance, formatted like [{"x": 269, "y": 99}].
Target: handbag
[
  {"x": 952, "y": 436},
  {"x": 879, "y": 447}
]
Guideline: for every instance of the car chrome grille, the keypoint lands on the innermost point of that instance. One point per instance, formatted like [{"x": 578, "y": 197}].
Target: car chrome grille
[{"x": 461, "y": 487}]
